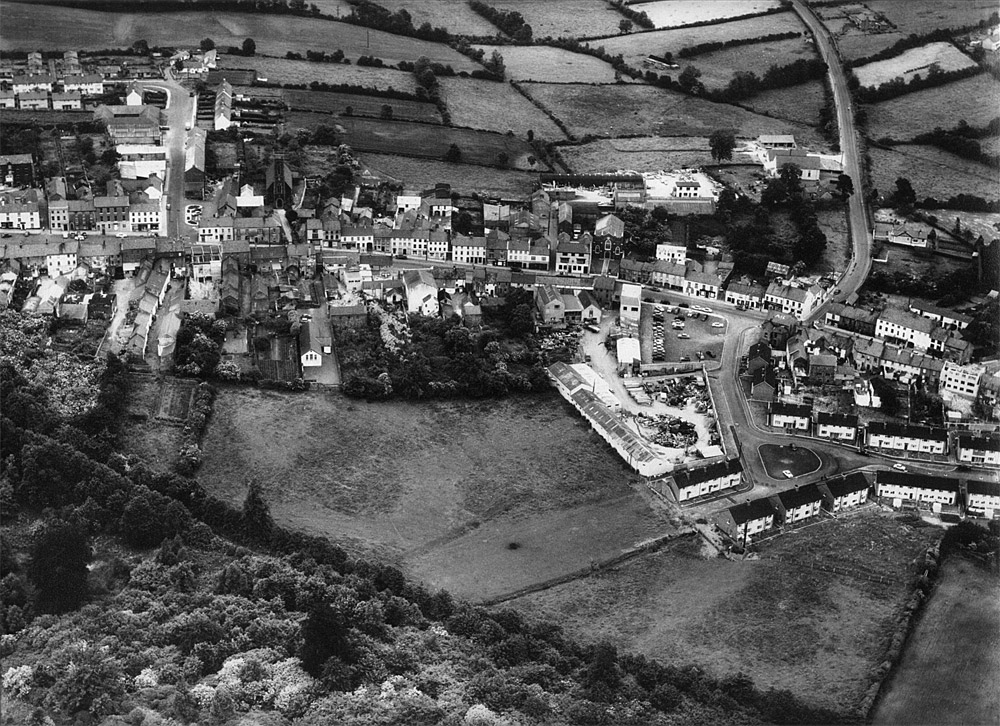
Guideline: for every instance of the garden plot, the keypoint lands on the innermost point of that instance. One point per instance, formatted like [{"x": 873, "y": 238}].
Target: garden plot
[
  {"x": 719, "y": 67},
  {"x": 492, "y": 106},
  {"x": 671, "y": 13},
  {"x": 636, "y": 47},
  {"x": 973, "y": 100},
  {"x": 280, "y": 70},
  {"x": 457, "y": 17},
  {"x": 801, "y": 103},
  {"x": 932, "y": 172},
  {"x": 553, "y": 65},
  {"x": 565, "y": 18},
  {"x": 916, "y": 61}
]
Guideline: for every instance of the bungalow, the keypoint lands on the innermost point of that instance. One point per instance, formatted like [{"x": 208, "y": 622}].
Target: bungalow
[
  {"x": 631, "y": 305},
  {"x": 904, "y": 437},
  {"x": 839, "y": 426},
  {"x": 688, "y": 483},
  {"x": 421, "y": 293},
  {"x": 776, "y": 141},
  {"x": 844, "y": 492},
  {"x": 900, "y": 233},
  {"x": 917, "y": 487},
  {"x": 758, "y": 357},
  {"x": 550, "y": 305},
  {"x": 800, "y": 503},
  {"x": 809, "y": 164},
  {"x": 744, "y": 521},
  {"x": 592, "y": 312},
  {"x": 744, "y": 295},
  {"x": 981, "y": 450},
  {"x": 314, "y": 342},
  {"x": 983, "y": 498},
  {"x": 764, "y": 385},
  {"x": 790, "y": 416}
]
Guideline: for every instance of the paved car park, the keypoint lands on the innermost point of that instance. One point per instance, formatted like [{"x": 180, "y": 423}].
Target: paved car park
[{"x": 680, "y": 333}]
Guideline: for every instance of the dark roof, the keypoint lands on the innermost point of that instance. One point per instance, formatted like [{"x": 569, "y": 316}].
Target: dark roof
[
  {"x": 984, "y": 486},
  {"x": 979, "y": 443},
  {"x": 689, "y": 477},
  {"x": 791, "y": 409},
  {"x": 749, "y": 511},
  {"x": 799, "y": 496},
  {"x": 920, "y": 481},
  {"x": 837, "y": 419},
  {"x": 916, "y": 432},
  {"x": 849, "y": 484},
  {"x": 765, "y": 375},
  {"x": 759, "y": 350}
]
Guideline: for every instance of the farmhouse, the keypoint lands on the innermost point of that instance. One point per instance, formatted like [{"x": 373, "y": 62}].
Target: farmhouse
[
  {"x": 844, "y": 492},
  {"x": 904, "y": 437},
  {"x": 983, "y": 498},
  {"x": 743, "y": 522},
  {"x": 800, "y": 503},
  {"x": 839, "y": 426},
  {"x": 917, "y": 487},
  {"x": 631, "y": 305},
  {"x": 981, "y": 450},
  {"x": 689, "y": 483},
  {"x": 421, "y": 293},
  {"x": 790, "y": 415}
]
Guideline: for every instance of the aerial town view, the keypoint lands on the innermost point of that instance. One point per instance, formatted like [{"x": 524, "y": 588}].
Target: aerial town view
[{"x": 499, "y": 362}]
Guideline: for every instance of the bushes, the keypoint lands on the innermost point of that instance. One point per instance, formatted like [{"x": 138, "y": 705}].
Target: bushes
[
  {"x": 712, "y": 46},
  {"x": 189, "y": 454},
  {"x": 746, "y": 83},
  {"x": 57, "y": 566},
  {"x": 898, "y": 87},
  {"x": 510, "y": 22}
]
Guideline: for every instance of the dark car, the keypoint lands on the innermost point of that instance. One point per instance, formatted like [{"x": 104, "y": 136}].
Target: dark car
[
  {"x": 710, "y": 354},
  {"x": 685, "y": 359}
]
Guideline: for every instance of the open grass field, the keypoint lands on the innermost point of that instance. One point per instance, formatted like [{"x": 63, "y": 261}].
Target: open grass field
[
  {"x": 837, "y": 254},
  {"x": 915, "y": 61},
  {"x": 800, "y": 103},
  {"x": 565, "y": 18},
  {"x": 975, "y": 100},
  {"x": 38, "y": 26},
  {"x": 401, "y": 478},
  {"x": 422, "y": 140},
  {"x": 637, "y": 46},
  {"x": 457, "y": 17},
  {"x": 951, "y": 664},
  {"x": 321, "y": 102},
  {"x": 933, "y": 173},
  {"x": 922, "y": 16},
  {"x": 492, "y": 106},
  {"x": 645, "y": 110},
  {"x": 552, "y": 65},
  {"x": 646, "y": 153},
  {"x": 718, "y": 68},
  {"x": 280, "y": 70},
  {"x": 671, "y": 13},
  {"x": 780, "y": 621},
  {"x": 425, "y": 173}
]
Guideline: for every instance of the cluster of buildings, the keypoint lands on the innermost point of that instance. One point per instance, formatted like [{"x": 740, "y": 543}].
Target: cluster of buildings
[{"x": 775, "y": 150}]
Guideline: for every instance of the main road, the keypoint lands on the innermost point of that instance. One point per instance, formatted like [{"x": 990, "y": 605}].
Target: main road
[{"x": 861, "y": 240}]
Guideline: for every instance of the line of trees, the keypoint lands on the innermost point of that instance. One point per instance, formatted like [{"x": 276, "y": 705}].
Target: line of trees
[
  {"x": 963, "y": 141},
  {"x": 510, "y": 22},
  {"x": 319, "y": 56},
  {"x": 712, "y": 46},
  {"x": 639, "y": 17},
  {"x": 915, "y": 40},
  {"x": 898, "y": 86},
  {"x": 400, "y": 22},
  {"x": 745, "y": 84}
]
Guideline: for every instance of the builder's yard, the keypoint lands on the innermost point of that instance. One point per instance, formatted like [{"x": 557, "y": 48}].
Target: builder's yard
[{"x": 793, "y": 625}]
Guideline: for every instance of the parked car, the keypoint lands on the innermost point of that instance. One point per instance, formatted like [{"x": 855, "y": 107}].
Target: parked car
[
  {"x": 710, "y": 354},
  {"x": 685, "y": 359},
  {"x": 592, "y": 328},
  {"x": 683, "y": 336},
  {"x": 701, "y": 308},
  {"x": 718, "y": 325},
  {"x": 899, "y": 467},
  {"x": 788, "y": 474}
]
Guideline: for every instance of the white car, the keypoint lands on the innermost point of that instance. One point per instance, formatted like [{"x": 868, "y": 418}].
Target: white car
[
  {"x": 899, "y": 467},
  {"x": 683, "y": 336},
  {"x": 788, "y": 474},
  {"x": 718, "y": 325},
  {"x": 701, "y": 308}
]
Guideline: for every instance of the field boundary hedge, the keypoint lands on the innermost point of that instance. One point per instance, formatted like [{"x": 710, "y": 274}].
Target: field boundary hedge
[{"x": 698, "y": 23}]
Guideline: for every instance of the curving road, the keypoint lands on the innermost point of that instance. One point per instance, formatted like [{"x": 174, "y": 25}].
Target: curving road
[{"x": 861, "y": 240}]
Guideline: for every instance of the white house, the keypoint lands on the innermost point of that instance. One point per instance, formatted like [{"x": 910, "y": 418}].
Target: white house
[
  {"x": 90, "y": 84},
  {"x": 961, "y": 380},
  {"x": 746, "y": 296},
  {"x": 790, "y": 300},
  {"x": 904, "y": 326},
  {"x": 688, "y": 483},
  {"x": 845, "y": 492},
  {"x": 800, "y": 503},
  {"x": 983, "y": 498},
  {"x": 743, "y": 522},
  {"x": 631, "y": 306},
  {"x": 903, "y": 437},
  {"x": 839, "y": 426},
  {"x": 917, "y": 487},
  {"x": 144, "y": 216},
  {"x": 790, "y": 415},
  {"x": 421, "y": 293},
  {"x": 980, "y": 450},
  {"x": 468, "y": 250}
]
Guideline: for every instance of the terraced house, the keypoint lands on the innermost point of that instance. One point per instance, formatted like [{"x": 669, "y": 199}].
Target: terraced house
[
  {"x": 919, "y": 488},
  {"x": 790, "y": 300},
  {"x": 906, "y": 438},
  {"x": 696, "y": 481},
  {"x": 980, "y": 450}
]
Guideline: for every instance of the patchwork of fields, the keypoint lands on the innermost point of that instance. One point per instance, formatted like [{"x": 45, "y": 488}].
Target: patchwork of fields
[
  {"x": 916, "y": 61},
  {"x": 280, "y": 70},
  {"x": 933, "y": 173},
  {"x": 320, "y": 103},
  {"x": 671, "y": 13},
  {"x": 719, "y": 67},
  {"x": 553, "y": 65},
  {"x": 492, "y": 106},
  {"x": 565, "y": 18},
  {"x": 457, "y": 17},
  {"x": 975, "y": 100}
]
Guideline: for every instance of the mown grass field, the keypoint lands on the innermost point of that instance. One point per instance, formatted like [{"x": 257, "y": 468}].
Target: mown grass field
[
  {"x": 718, "y": 68},
  {"x": 492, "y": 106},
  {"x": 320, "y": 102},
  {"x": 552, "y": 65},
  {"x": 31, "y": 26},
  {"x": 648, "y": 111},
  {"x": 281, "y": 70},
  {"x": 425, "y": 173},
  {"x": 779, "y": 621},
  {"x": 646, "y": 153},
  {"x": 932, "y": 172},
  {"x": 913, "y": 62},
  {"x": 800, "y": 103},
  {"x": 975, "y": 100},
  {"x": 457, "y": 17},
  {"x": 565, "y": 18},
  {"x": 671, "y": 13},
  {"x": 637, "y": 46}
]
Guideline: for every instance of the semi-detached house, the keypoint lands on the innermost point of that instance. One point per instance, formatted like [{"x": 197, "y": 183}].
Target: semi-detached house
[
  {"x": 981, "y": 450},
  {"x": 845, "y": 492},
  {"x": 983, "y": 497},
  {"x": 917, "y": 487},
  {"x": 743, "y": 522},
  {"x": 904, "y": 437},
  {"x": 790, "y": 415},
  {"x": 688, "y": 483},
  {"x": 799, "y": 504},
  {"x": 839, "y": 426}
]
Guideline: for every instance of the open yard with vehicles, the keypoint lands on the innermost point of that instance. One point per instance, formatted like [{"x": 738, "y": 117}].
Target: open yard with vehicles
[
  {"x": 457, "y": 17},
  {"x": 636, "y": 47},
  {"x": 951, "y": 663},
  {"x": 565, "y": 18},
  {"x": 30, "y": 26},
  {"x": 779, "y": 620},
  {"x": 281, "y": 70},
  {"x": 974, "y": 100},
  {"x": 916, "y": 61},
  {"x": 800, "y": 103},
  {"x": 719, "y": 67},
  {"x": 553, "y": 65},
  {"x": 638, "y": 109},
  {"x": 696, "y": 337},
  {"x": 671, "y": 13},
  {"x": 932, "y": 172},
  {"x": 644, "y": 153},
  {"x": 320, "y": 102},
  {"x": 493, "y": 106}
]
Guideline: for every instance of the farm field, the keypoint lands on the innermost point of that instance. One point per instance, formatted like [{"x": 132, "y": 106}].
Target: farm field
[
  {"x": 922, "y": 16},
  {"x": 492, "y": 106},
  {"x": 281, "y": 70},
  {"x": 402, "y": 478},
  {"x": 974, "y": 100},
  {"x": 425, "y": 173},
  {"x": 36, "y": 26},
  {"x": 719, "y": 67},
  {"x": 985, "y": 224},
  {"x": 424, "y": 140},
  {"x": 671, "y": 13},
  {"x": 637, "y": 109},
  {"x": 801, "y": 103},
  {"x": 679, "y": 607},
  {"x": 647, "y": 153},
  {"x": 321, "y": 102},
  {"x": 933, "y": 173},
  {"x": 913, "y": 62},
  {"x": 552, "y": 65},
  {"x": 457, "y": 17},
  {"x": 951, "y": 662},
  {"x": 565, "y": 18},
  {"x": 336, "y": 8},
  {"x": 637, "y": 46}
]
